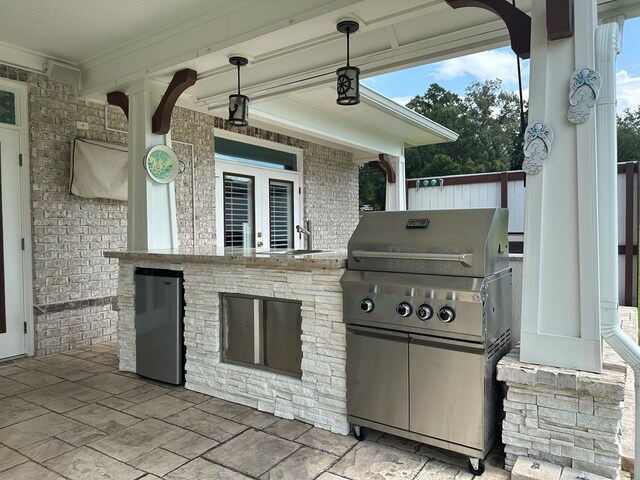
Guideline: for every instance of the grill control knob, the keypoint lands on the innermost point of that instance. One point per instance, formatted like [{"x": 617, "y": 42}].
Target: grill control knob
[
  {"x": 424, "y": 312},
  {"x": 404, "y": 309},
  {"x": 447, "y": 314},
  {"x": 367, "y": 305}
]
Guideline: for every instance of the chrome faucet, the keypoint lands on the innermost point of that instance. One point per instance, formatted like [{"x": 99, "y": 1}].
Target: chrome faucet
[{"x": 306, "y": 230}]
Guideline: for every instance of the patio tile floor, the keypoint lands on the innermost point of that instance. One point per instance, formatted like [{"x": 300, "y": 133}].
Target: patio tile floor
[{"x": 74, "y": 416}]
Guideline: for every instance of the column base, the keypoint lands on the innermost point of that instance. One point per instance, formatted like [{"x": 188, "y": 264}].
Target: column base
[{"x": 567, "y": 417}]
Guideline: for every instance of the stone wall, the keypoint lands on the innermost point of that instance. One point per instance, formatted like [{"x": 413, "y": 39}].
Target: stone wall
[
  {"x": 567, "y": 417},
  {"x": 318, "y": 397},
  {"x": 74, "y": 284}
]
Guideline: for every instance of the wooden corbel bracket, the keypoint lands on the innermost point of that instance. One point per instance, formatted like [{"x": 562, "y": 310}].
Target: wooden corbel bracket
[
  {"x": 119, "y": 99},
  {"x": 383, "y": 165},
  {"x": 518, "y": 23},
  {"x": 559, "y": 19},
  {"x": 182, "y": 79}
]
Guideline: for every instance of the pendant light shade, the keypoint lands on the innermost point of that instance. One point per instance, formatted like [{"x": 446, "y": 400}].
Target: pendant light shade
[
  {"x": 348, "y": 82},
  {"x": 238, "y": 103}
]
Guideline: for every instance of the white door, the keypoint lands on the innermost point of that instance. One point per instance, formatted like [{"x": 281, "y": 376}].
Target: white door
[
  {"x": 257, "y": 207},
  {"x": 12, "y": 315}
]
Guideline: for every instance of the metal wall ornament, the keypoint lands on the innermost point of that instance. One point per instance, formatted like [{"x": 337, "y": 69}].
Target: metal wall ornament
[
  {"x": 537, "y": 147},
  {"x": 238, "y": 103},
  {"x": 348, "y": 82},
  {"x": 584, "y": 88}
]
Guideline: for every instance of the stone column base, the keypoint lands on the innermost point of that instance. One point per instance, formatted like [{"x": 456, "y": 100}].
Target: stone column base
[{"x": 566, "y": 417}]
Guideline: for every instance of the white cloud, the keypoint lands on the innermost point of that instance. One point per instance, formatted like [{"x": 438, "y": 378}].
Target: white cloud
[
  {"x": 483, "y": 66},
  {"x": 402, "y": 100},
  {"x": 628, "y": 93}
]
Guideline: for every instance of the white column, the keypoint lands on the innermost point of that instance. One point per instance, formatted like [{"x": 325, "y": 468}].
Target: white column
[
  {"x": 396, "y": 193},
  {"x": 561, "y": 298},
  {"x": 608, "y": 45},
  {"x": 151, "y": 211}
]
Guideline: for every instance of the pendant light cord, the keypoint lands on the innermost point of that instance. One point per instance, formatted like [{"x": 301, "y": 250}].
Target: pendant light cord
[
  {"x": 348, "y": 31},
  {"x": 238, "y": 65}
]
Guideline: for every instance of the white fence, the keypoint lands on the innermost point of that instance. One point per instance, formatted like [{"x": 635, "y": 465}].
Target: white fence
[{"x": 507, "y": 189}]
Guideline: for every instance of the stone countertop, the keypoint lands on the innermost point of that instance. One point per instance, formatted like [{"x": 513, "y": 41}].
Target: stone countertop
[{"x": 238, "y": 256}]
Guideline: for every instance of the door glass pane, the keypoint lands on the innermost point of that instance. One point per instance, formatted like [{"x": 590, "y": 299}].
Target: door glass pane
[
  {"x": 281, "y": 214},
  {"x": 254, "y": 154},
  {"x": 7, "y": 107},
  {"x": 238, "y": 211}
]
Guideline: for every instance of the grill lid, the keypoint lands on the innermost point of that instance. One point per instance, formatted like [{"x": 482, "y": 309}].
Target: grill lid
[{"x": 468, "y": 243}]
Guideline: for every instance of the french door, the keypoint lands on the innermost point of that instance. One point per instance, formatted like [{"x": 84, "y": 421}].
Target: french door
[{"x": 257, "y": 207}]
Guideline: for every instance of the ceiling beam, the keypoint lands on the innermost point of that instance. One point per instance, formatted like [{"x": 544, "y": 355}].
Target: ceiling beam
[
  {"x": 179, "y": 49},
  {"x": 259, "y": 84}
]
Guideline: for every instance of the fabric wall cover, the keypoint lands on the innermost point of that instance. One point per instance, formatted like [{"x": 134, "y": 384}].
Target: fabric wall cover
[{"x": 98, "y": 169}]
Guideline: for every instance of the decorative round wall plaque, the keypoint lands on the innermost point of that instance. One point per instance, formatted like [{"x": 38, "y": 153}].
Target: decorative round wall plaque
[{"x": 161, "y": 163}]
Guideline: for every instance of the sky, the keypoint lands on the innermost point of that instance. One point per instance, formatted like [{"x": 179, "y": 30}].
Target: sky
[{"x": 457, "y": 73}]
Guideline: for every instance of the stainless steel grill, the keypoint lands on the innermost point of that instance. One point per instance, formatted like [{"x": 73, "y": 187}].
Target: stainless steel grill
[{"x": 427, "y": 303}]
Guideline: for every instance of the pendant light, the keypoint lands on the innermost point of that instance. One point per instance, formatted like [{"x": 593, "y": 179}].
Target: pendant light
[
  {"x": 238, "y": 104},
  {"x": 348, "y": 83}
]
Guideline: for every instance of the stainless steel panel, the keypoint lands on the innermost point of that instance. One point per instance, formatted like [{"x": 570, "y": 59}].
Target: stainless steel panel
[
  {"x": 158, "y": 322},
  {"x": 377, "y": 379},
  {"x": 447, "y": 388},
  {"x": 498, "y": 305},
  {"x": 239, "y": 328},
  {"x": 385, "y": 244},
  {"x": 387, "y": 290},
  {"x": 436, "y": 442},
  {"x": 283, "y": 335}
]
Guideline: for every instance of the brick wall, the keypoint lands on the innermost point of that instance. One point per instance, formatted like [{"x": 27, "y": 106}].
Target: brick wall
[
  {"x": 331, "y": 196},
  {"x": 73, "y": 283}
]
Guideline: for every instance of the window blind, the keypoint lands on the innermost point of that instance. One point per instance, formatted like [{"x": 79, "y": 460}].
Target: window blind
[
  {"x": 238, "y": 211},
  {"x": 281, "y": 214}
]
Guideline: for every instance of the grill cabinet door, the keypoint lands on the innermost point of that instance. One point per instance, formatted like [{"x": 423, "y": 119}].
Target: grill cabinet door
[
  {"x": 447, "y": 395},
  {"x": 377, "y": 376}
]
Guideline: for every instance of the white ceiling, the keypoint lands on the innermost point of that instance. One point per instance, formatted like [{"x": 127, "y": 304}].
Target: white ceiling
[
  {"x": 114, "y": 42},
  {"x": 292, "y": 45},
  {"x": 76, "y": 31}
]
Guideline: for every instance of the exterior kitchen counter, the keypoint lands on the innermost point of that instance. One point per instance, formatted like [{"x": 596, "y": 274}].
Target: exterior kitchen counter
[
  {"x": 318, "y": 395},
  {"x": 230, "y": 256}
]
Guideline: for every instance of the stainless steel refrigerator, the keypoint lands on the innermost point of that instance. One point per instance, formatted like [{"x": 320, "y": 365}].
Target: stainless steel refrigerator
[{"x": 159, "y": 306}]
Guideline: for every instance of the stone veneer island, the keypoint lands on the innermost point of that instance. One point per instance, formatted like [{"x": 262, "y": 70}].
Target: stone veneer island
[{"x": 319, "y": 396}]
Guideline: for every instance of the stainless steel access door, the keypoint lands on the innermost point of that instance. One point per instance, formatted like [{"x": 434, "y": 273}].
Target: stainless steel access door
[
  {"x": 447, "y": 388},
  {"x": 377, "y": 379},
  {"x": 283, "y": 336}
]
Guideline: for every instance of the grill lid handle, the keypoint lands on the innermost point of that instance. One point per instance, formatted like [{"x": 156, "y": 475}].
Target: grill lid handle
[{"x": 464, "y": 258}]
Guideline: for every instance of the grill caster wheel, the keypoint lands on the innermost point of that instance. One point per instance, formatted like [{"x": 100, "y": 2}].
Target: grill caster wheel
[
  {"x": 476, "y": 466},
  {"x": 360, "y": 433}
]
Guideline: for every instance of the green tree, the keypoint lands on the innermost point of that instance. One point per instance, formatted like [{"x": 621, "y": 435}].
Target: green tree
[
  {"x": 629, "y": 136},
  {"x": 487, "y": 120},
  {"x": 372, "y": 187}
]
